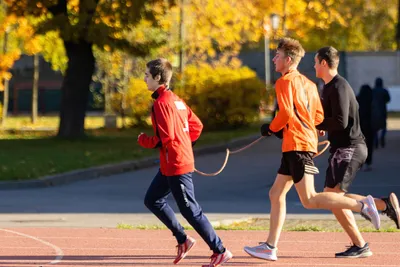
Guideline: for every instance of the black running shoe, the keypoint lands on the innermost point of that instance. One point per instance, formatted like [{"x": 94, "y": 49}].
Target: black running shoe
[
  {"x": 355, "y": 252},
  {"x": 392, "y": 208}
]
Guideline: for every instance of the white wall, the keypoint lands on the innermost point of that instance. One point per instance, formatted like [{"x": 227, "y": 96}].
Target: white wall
[
  {"x": 365, "y": 67},
  {"x": 394, "y": 104}
]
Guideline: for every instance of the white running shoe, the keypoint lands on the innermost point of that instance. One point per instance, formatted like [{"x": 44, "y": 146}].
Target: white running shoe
[
  {"x": 370, "y": 212},
  {"x": 262, "y": 251}
]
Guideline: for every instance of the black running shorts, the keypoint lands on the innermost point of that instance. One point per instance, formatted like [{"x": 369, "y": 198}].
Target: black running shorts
[
  {"x": 296, "y": 164},
  {"x": 344, "y": 163}
]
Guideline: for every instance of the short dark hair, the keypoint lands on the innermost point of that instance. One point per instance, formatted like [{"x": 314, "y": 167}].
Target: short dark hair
[
  {"x": 161, "y": 67},
  {"x": 330, "y": 55},
  {"x": 292, "y": 48},
  {"x": 379, "y": 82}
]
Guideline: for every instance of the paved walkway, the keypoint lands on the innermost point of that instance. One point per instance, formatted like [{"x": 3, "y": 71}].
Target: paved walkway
[{"x": 240, "y": 191}]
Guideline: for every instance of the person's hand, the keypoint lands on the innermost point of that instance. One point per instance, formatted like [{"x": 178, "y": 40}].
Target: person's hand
[
  {"x": 321, "y": 133},
  {"x": 265, "y": 130}
]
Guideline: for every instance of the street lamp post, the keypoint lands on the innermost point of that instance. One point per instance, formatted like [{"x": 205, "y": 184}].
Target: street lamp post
[
  {"x": 6, "y": 81},
  {"x": 267, "y": 30},
  {"x": 275, "y": 19},
  {"x": 271, "y": 22}
]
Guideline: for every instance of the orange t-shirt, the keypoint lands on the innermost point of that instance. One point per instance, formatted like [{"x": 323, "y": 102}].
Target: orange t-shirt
[{"x": 300, "y": 110}]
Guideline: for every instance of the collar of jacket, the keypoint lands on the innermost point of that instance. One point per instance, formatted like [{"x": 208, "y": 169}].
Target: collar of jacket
[
  {"x": 160, "y": 90},
  {"x": 290, "y": 71}
]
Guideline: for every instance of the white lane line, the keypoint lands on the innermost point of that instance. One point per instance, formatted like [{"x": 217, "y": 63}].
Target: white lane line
[
  {"x": 58, "y": 251},
  {"x": 238, "y": 251},
  {"x": 170, "y": 249},
  {"x": 227, "y": 239}
]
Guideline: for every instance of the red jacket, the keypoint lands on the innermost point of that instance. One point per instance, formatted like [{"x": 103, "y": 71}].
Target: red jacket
[{"x": 175, "y": 128}]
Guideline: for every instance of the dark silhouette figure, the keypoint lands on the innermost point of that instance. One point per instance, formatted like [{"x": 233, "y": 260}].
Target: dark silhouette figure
[
  {"x": 364, "y": 99},
  {"x": 380, "y": 99}
]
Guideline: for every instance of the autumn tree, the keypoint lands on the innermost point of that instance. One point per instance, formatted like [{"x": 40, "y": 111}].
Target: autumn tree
[
  {"x": 349, "y": 25},
  {"x": 50, "y": 47},
  {"x": 398, "y": 26},
  {"x": 19, "y": 37},
  {"x": 352, "y": 25},
  {"x": 81, "y": 25},
  {"x": 213, "y": 30},
  {"x": 218, "y": 30},
  {"x": 14, "y": 31},
  {"x": 115, "y": 69}
]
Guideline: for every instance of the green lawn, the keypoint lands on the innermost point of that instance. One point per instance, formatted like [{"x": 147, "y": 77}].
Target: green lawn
[
  {"x": 394, "y": 114},
  {"x": 28, "y": 155},
  {"x": 51, "y": 122},
  {"x": 291, "y": 225}
]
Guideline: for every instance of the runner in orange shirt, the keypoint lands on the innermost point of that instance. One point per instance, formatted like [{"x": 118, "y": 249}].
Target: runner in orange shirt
[{"x": 300, "y": 110}]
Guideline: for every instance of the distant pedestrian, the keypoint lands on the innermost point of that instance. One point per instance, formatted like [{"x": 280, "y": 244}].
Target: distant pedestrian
[
  {"x": 364, "y": 99},
  {"x": 380, "y": 99}
]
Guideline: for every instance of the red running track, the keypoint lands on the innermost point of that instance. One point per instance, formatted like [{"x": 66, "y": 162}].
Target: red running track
[{"x": 23, "y": 247}]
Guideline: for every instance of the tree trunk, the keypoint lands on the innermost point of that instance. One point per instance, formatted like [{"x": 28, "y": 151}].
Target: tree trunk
[
  {"x": 75, "y": 89},
  {"x": 124, "y": 89},
  {"x": 110, "y": 119},
  {"x": 107, "y": 97},
  {"x": 35, "y": 88},
  {"x": 5, "y": 102}
]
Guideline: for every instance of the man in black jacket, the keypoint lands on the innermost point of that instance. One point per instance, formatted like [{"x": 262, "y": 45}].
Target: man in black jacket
[{"x": 348, "y": 149}]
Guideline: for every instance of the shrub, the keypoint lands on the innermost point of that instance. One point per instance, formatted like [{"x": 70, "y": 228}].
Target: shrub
[
  {"x": 137, "y": 102},
  {"x": 223, "y": 98}
]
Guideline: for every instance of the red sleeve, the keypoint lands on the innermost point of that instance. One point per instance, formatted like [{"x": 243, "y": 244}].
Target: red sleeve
[
  {"x": 149, "y": 142},
  {"x": 165, "y": 123},
  {"x": 195, "y": 125}
]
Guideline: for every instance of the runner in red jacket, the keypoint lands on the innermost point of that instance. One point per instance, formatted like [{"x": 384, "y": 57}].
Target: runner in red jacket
[{"x": 176, "y": 129}]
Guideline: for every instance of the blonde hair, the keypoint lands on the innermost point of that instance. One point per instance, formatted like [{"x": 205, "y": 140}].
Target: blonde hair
[{"x": 292, "y": 48}]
